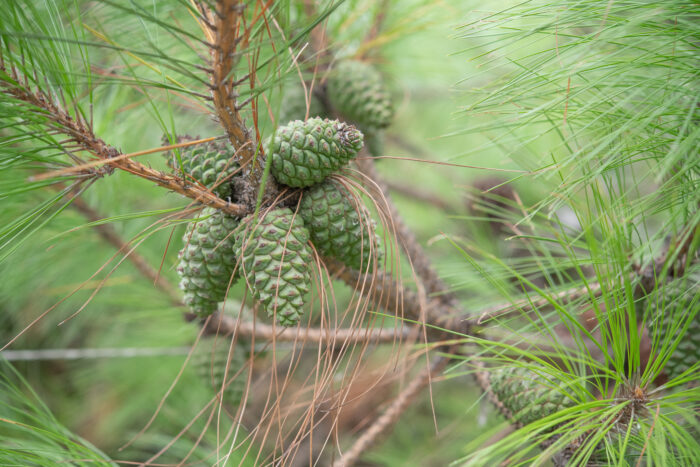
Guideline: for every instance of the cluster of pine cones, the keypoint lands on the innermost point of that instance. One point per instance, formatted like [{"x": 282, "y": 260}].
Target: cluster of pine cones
[{"x": 272, "y": 250}]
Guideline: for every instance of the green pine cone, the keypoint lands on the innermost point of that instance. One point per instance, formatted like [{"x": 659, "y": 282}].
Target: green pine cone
[
  {"x": 304, "y": 153},
  {"x": 210, "y": 164},
  {"x": 206, "y": 261},
  {"x": 527, "y": 399},
  {"x": 210, "y": 360},
  {"x": 294, "y": 105},
  {"x": 277, "y": 262},
  {"x": 687, "y": 353},
  {"x": 335, "y": 225},
  {"x": 356, "y": 90}
]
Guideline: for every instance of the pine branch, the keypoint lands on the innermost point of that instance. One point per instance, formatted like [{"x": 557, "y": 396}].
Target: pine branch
[
  {"x": 221, "y": 324},
  {"x": 225, "y": 31},
  {"x": 528, "y": 304},
  {"x": 391, "y": 415},
  {"x": 80, "y": 132}
]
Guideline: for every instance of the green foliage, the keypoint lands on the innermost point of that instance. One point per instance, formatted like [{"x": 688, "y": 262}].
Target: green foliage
[
  {"x": 33, "y": 436},
  {"x": 595, "y": 100}
]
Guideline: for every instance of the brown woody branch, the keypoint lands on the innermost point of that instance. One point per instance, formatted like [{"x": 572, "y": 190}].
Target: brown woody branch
[
  {"x": 378, "y": 22},
  {"x": 319, "y": 39},
  {"x": 224, "y": 325},
  {"x": 81, "y": 134},
  {"x": 391, "y": 415},
  {"x": 225, "y": 31}
]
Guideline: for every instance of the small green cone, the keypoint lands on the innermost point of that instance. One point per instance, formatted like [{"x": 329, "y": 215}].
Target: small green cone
[
  {"x": 277, "y": 262},
  {"x": 527, "y": 399},
  {"x": 336, "y": 227},
  {"x": 210, "y": 359},
  {"x": 293, "y": 105},
  {"x": 304, "y": 153},
  {"x": 687, "y": 353},
  {"x": 356, "y": 90},
  {"x": 206, "y": 261},
  {"x": 666, "y": 310},
  {"x": 210, "y": 164}
]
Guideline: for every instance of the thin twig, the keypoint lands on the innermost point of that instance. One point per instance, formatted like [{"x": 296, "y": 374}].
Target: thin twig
[
  {"x": 391, "y": 414},
  {"x": 502, "y": 309},
  {"x": 109, "y": 233},
  {"x": 416, "y": 193},
  {"x": 319, "y": 38},
  {"x": 92, "y": 353}
]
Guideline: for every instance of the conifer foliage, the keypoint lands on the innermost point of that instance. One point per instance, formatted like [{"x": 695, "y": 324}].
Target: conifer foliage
[{"x": 328, "y": 288}]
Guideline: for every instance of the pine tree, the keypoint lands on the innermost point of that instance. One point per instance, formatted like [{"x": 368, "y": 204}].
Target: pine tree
[{"x": 530, "y": 241}]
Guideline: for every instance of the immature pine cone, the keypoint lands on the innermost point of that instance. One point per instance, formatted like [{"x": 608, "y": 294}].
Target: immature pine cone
[
  {"x": 207, "y": 262},
  {"x": 210, "y": 359},
  {"x": 277, "y": 262},
  {"x": 304, "y": 153},
  {"x": 357, "y": 91},
  {"x": 687, "y": 353},
  {"x": 527, "y": 399},
  {"x": 337, "y": 229},
  {"x": 210, "y": 164},
  {"x": 294, "y": 104}
]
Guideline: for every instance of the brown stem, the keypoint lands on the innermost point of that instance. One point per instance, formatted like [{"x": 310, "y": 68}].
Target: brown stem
[
  {"x": 225, "y": 31},
  {"x": 391, "y": 414},
  {"x": 225, "y": 324},
  {"x": 79, "y": 132},
  {"x": 319, "y": 39},
  {"x": 527, "y": 304}
]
